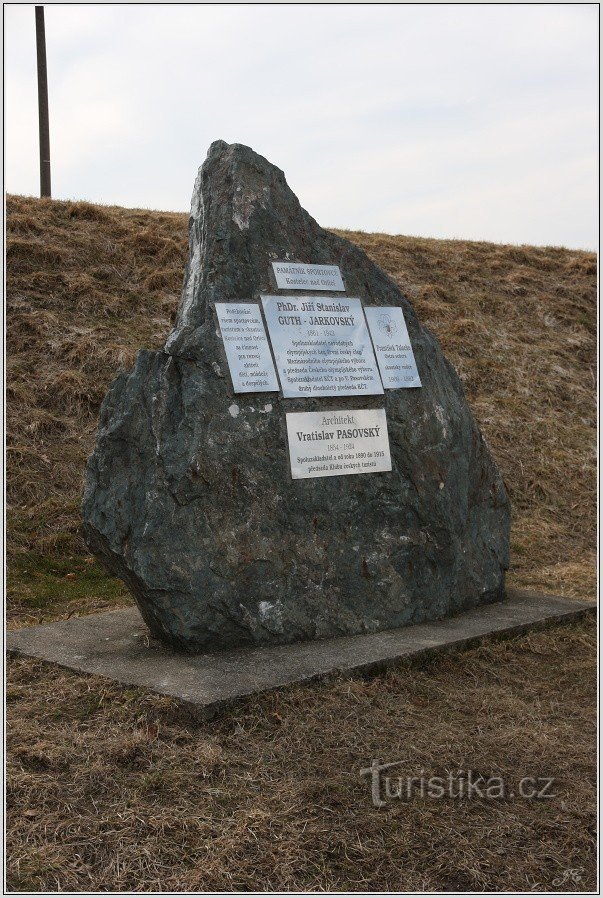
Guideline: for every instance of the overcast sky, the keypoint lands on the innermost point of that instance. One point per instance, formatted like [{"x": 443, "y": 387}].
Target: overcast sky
[{"x": 476, "y": 122}]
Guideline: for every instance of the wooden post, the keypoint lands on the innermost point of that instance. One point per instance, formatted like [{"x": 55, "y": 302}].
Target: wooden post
[{"x": 43, "y": 104}]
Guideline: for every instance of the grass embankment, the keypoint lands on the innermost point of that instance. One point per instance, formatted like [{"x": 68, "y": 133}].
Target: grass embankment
[
  {"x": 88, "y": 286},
  {"x": 110, "y": 788}
]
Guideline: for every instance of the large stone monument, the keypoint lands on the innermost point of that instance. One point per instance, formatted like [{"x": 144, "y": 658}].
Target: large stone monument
[{"x": 359, "y": 495}]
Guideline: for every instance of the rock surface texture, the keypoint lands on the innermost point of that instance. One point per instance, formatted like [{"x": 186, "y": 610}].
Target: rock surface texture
[{"x": 189, "y": 497}]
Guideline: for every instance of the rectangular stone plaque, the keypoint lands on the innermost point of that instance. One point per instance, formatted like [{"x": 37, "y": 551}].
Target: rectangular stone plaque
[
  {"x": 328, "y": 444},
  {"x": 247, "y": 349},
  {"x": 321, "y": 346},
  {"x": 298, "y": 276},
  {"x": 392, "y": 347}
]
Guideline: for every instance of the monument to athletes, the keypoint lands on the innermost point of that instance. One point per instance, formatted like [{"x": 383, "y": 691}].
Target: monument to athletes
[{"x": 299, "y": 461}]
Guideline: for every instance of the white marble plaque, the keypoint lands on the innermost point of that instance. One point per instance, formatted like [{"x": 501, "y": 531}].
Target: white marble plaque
[
  {"x": 321, "y": 346},
  {"x": 247, "y": 349},
  {"x": 392, "y": 347},
  {"x": 298, "y": 276},
  {"x": 328, "y": 444}
]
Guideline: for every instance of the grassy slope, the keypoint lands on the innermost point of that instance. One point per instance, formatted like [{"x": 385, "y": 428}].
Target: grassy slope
[
  {"x": 88, "y": 286},
  {"x": 113, "y": 789}
]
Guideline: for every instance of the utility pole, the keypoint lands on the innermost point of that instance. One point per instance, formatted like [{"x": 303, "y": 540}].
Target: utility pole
[{"x": 43, "y": 104}]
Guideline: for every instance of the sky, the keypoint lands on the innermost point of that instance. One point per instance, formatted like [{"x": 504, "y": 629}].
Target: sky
[{"x": 476, "y": 122}]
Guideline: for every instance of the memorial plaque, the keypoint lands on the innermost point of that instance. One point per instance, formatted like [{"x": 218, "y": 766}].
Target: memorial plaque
[
  {"x": 321, "y": 346},
  {"x": 392, "y": 347},
  {"x": 297, "y": 276},
  {"x": 247, "y": 349},
  {"x": 328, "y": 444}
]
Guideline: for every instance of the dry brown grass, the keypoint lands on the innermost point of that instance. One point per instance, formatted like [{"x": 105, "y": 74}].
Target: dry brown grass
[
  {"x": 117, "y": 789},
  {"x": 89, "y": 285},
  {"x": 113, "y": 788}
]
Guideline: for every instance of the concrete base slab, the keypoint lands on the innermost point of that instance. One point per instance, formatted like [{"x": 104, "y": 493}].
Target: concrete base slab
[{"x": 116, "y": 644}]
